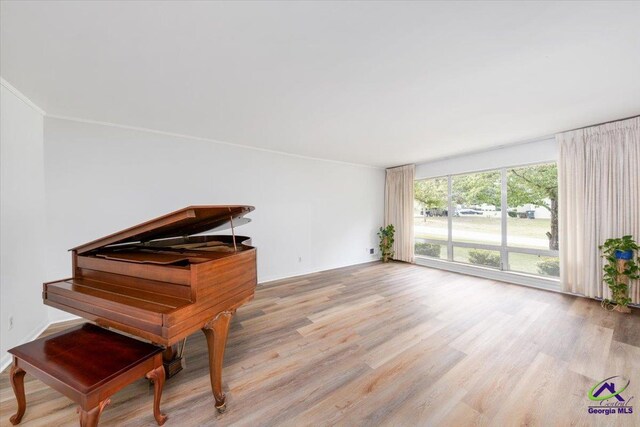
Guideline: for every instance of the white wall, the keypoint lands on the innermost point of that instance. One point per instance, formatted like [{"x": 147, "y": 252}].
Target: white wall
[
  {"x": 544, "y": 150},
  {"x": 101, "y": 179},
  {"x": 22, "y": 231}
]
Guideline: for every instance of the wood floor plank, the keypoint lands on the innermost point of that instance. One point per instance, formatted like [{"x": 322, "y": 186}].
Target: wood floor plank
[
  {"x": 401, "y": 342},
  {"x": 463, "y": 415},
  {"x": 589, "y": 359},
  {"x": 386, "y": 344},
  {"x": 526, "y": 402}
]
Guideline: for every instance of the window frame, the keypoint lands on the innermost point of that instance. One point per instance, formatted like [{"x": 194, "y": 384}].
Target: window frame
[{"x": 504, "y": 249}]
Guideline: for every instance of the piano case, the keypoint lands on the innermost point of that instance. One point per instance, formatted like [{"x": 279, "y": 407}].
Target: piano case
[{"x": 161, "y": 280}]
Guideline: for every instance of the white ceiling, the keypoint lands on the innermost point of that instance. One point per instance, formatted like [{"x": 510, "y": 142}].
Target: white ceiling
[{"x": 372, "y": 83}]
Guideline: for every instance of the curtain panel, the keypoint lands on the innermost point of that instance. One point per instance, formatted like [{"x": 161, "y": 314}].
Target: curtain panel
[
  {"x": 599, "y": 198},
  {"x": 398, "y": 209}
]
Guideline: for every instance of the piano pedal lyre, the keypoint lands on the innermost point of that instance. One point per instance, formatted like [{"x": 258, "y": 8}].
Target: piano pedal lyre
[{"x": 172, "y": 359}]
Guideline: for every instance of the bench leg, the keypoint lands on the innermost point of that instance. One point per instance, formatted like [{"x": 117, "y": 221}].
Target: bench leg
[
  {"x": 216, "y": 333},
  {"x": 91, "y": 417},
  {"x": 17, "y": 382},
  {"x": 157, "y": 376}
]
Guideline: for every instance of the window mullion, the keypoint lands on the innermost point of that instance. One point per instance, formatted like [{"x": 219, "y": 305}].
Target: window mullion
[
  {"x": 504, "y": 254},
  {"x": 449, "y": 220}
]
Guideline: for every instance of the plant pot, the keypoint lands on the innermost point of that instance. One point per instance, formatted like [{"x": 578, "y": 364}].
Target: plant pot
[
  {"x": 622, "y": 309},
  {"x": 626, "y": 255}
]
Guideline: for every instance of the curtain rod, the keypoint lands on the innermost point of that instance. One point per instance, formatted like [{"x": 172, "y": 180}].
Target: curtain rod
[
  {"x": 400, "y": 166},
  {"x": 600, "y": 124}
]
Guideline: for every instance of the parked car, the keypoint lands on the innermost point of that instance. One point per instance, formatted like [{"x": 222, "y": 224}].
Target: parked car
[
  {"x": 433, "y": 212},
  {"x": 467, "y": 212}
]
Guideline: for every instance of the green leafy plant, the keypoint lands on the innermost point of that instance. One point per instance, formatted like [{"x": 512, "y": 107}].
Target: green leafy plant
[
  {"x": 617, "y": 275},
  {"x": 386, "y": 242},
  {"x": 428, "y": 249},
  {"x": 549, "y": 267},
  {"x": 482, "y": 257}
]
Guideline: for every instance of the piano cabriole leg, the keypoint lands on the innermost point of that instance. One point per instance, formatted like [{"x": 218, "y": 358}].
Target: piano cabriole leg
[
  {"x": 17, "y": 383},
  {"x": 216, "y": 332}
]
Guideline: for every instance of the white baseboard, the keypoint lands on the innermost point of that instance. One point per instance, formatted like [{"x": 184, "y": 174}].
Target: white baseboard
[
  {"x": 292, "y": 275},
  {"x": 6, "y": 359}
]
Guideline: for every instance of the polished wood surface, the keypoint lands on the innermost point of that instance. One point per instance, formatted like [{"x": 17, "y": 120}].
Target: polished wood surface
[
  {"x": 216, "y": 332},
  {"x": 157, "y": 378},
  {"x": 157, "y": 282},
  {"x": 388, "y": 344},
  {"x": 17, "y": 384},
  {"x": 150, "y": 300},
  {"x": 183, "y": 222},
  {"x": 87, "y": 364}
]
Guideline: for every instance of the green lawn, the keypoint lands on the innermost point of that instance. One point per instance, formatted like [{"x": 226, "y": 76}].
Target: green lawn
[
  {"x": 521, "y": 232},
  {"x": 515, "y": 226}
]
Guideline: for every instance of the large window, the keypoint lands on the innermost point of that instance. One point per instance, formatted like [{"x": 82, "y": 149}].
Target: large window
[{"x": 505, "y": 219}]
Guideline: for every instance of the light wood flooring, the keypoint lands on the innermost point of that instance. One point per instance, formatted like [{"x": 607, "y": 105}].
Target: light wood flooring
[{"x": 388, "y": 344}]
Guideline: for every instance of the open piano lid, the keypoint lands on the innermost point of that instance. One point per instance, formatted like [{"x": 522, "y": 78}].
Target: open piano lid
[{"x": 184, "y": 222}]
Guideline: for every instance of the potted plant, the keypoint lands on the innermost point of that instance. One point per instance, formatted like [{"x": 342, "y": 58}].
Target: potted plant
[
  {"x": 620, "y": 268},
  {"x": 386, "y": 242}
]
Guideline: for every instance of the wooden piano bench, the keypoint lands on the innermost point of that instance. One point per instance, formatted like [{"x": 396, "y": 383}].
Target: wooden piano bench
[{"x": 88, "y": 364}]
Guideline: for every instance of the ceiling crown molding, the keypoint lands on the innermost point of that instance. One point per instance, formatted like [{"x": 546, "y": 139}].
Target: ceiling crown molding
[
  {"x": 22, "y": 96},
  {"x": 215, "y": 141}
]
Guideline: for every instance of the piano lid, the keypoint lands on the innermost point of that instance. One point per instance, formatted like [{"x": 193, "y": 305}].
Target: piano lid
[{"x": 184, "y": 222}]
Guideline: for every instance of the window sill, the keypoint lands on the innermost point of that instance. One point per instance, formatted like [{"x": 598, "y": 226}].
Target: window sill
[{"x": 540, "y": 282}]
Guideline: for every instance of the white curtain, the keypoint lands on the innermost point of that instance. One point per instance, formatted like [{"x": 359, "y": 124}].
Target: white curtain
[
  {"x": 398, "y": 209},
  {"x": 599, "y": 198}
]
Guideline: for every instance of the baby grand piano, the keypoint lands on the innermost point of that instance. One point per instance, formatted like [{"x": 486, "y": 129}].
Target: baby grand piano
[{"x": 163, "y": 280}]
